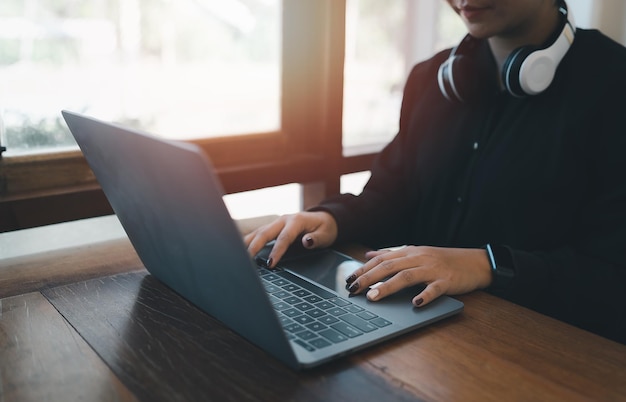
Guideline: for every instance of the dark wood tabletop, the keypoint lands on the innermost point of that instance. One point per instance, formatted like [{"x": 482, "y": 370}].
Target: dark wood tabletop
[{"x": 88, "y": 322}]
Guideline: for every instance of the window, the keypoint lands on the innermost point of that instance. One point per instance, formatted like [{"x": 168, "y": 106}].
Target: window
[
  {"x": 184, "y": 69},
  {"x": 284, "y": 94},
  {"x": 162, "y": 66},
  {"x": 277, "y": 55},
  {"x": 384, "y": 39}
]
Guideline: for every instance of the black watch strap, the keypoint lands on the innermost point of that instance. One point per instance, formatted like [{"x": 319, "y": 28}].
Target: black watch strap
[{"x": 502, "y": 267}]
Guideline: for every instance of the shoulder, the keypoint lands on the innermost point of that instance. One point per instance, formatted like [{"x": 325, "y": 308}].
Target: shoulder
[
  {"x": 592, "y": 70},
  {"x": 592, "y": 51},
  {"x": 421, "y": 82},
  {"x": 427, "y": 69}
]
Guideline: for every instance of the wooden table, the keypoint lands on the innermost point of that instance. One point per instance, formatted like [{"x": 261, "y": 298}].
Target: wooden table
[{"x": 153, "y": 345}]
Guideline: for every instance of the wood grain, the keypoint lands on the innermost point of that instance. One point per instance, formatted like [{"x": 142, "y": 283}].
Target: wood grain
[
  {"x": 42, "y": 358},
  {"x": 34, "y": 272},
  {"x": 163, "y": 348},
  {"x": 38, "y": 271},
  {"x": 496, "y": 350}
]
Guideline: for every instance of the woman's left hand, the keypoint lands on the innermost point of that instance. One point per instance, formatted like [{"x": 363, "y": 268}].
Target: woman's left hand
[{"x": 448, "y": 271}]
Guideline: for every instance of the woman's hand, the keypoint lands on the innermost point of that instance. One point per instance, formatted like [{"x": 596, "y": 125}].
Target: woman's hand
[
  {"x": 317, "y": 229},
  {"x": 443, "y": 270}
]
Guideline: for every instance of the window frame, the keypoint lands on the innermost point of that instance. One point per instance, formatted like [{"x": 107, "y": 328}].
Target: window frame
[{"x": 55, "y": 187}]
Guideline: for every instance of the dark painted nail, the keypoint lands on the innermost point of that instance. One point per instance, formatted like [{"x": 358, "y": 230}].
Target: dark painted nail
[
  {"x": 269, "y": 262},
  {"x": 309, "y": 241},
  {"x": 351, "y": 278},
  {"x": 419, "y": 301},
  {"x": 354, "y": 287}
]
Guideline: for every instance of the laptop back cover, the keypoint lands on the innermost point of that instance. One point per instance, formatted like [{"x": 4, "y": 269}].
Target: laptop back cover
[{"x": 169, "y": 201}]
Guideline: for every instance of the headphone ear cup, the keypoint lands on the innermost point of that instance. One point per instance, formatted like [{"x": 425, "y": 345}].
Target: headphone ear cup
[
  {"x": 511, "y": 70},
  {"x": 467, "y": 74},
  {"x": 448, "y": 70}
]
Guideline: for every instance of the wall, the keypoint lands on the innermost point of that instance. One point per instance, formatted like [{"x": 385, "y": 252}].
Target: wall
[{"x": 609, "y": 16}]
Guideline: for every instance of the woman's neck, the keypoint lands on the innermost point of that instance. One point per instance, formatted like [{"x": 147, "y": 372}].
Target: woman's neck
[{"x": 534, "y": 33}]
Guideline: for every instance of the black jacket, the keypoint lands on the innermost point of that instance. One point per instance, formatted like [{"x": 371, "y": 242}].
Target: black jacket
[{"x": 544, "y": 176}]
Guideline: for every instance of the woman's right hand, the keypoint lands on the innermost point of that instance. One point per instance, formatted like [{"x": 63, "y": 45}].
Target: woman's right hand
[{"x": 316, "y": 229}]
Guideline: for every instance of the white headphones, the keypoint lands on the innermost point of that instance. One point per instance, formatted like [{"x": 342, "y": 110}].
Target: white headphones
[{"x": 529, "y": 70}]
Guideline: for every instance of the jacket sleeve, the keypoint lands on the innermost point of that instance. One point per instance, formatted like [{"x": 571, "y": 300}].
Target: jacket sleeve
[{"x": 377, "y": 217}]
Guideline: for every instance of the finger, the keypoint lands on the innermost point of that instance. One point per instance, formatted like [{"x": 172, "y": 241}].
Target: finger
[
  {"x": 352, "y": 284},
  {"x": 317, "y": 239},
  {"x": 386, "y": 265},
  {"x": 263, "y": 235},
  {"x": 374, "y": 253},
  {"x": 289, "y": 233},
  {"x": 319, "y": 229},
  {"x": 308, "y": 241},
  {"x": 401, "y": 280},
  {"x": 431, "y": 292},
  {"x": 247, "y": 239},
  {"x": 375, "y": 258}
]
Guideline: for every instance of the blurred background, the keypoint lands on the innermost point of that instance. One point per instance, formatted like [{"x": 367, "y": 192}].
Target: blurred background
[{"x": 190, "y": 69}]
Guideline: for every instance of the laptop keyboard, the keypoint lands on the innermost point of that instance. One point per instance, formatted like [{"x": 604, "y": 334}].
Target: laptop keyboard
[{"x": 313, "y": 317}]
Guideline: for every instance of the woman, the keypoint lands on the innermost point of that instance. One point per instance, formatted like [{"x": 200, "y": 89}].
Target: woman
[{"x": 500, "y": 178}]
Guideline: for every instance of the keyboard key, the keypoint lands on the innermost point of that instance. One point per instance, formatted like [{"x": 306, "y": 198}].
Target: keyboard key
[
  {"x": 346, "y": 329},
  {"x": 366, "y": 315},
  {"x": 291, "y": 287},
  {"x": 291, "y": 312},
  {"x": 320, "y": 343},
  {"x": 270, "y": 288},
  {"x": 285, "y": 320},
  {"x": 316, "y": 326},
  {"x": 380, "y": 322},
  {"x": 340, "y": 302},
  {"x": 281, "y": 306},
  {"x": 353, "y": 308},
  {"x": 281, "y": 294},
  {"x": 301, "y": 293},
  {"x": 313, "y": 298},
  {"x": 324, "y": 294},
  {"x": 315, "y": 313},
  {"x": 324, "y": 305},
  {"x": 328, "y": 319},
  {"x": 304, "y": 345},
  {"x": 359, "y": 323},
  {"x": 292, "y": 299},
  {"x": 273, "y": 299},
  {"x": 333, "y": 336},
  {"x": 306, "y": 335},
  {"x": 281, "y": 282},
  {"x": 304, "y": 319},
  {"x": 304, "y": 306},
  {"x": 336, "y": 311},
  {"x": 293, "y": 327}
]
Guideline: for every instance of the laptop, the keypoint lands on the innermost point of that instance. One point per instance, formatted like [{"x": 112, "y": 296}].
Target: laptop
[{"x": 169, "y": 201}]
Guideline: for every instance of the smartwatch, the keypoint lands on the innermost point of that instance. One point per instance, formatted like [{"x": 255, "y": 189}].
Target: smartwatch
[{"x": 502, "y": 267}]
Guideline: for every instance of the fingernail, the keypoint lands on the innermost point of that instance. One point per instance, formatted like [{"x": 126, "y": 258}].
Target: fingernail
[
  {"x": 354, "y": 287},
  {"x": 418, "y": 302},
  {"x": 373, "y": 294},
  {"x": 351, "y": 278},
  {"x": 269, "y": 262},
  {"x": 309, "y": 241}
]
